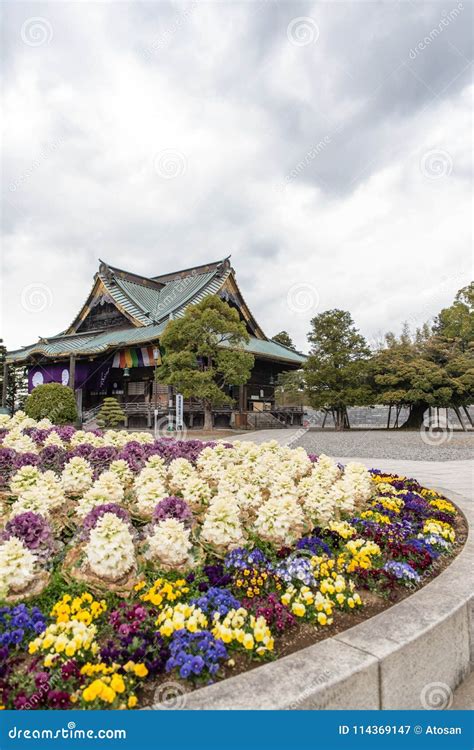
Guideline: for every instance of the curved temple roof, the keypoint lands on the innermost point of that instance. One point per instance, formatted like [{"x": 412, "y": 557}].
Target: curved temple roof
[{"x": 148, "y": 304}]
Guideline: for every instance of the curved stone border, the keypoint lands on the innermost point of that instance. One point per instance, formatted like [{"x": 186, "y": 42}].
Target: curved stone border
[{"x": 394, "y": 660}]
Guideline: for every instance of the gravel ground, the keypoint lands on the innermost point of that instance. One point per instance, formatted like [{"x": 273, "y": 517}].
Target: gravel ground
[{"x": 404, "y": 445}]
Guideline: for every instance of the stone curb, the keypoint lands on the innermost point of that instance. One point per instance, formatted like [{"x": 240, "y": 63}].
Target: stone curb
[{"x": 411, "y": 656}]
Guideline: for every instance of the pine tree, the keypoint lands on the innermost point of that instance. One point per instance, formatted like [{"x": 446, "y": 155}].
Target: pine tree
[
  {"x": 204, "y": 354},
  {"x": 284, "y": 338},
  {"x": 111, "y": 413},
  {"x": 335, "y": 373}
]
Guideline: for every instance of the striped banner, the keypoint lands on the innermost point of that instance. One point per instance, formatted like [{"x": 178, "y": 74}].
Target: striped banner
[{"x": 143, "y": 357}]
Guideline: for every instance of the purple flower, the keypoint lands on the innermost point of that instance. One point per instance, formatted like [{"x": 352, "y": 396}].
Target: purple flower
[
  {"x": 195, "y": 654},
  {"x": 98, "y": 511},
  {"x": 216, "y": 600},
  {"x": 7, "y": 466},
  {"x": 173, "y": 507},
  {"x": 52, "y": 458},
  {"x": 34, "y": 531},
  {"x": 101, "y": 458}
]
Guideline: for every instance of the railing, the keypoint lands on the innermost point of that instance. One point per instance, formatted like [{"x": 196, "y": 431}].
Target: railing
[{"x": 279, "y": 416}]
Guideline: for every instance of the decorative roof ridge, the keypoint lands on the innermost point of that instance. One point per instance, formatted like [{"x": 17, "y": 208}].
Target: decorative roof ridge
[
  {"x": 220, "y": 274},
  {"x": 105, "y": 269},
  {"x": 112, "y": 284},
  {"x": 265, "y": 337},
  {"x": 197, "y": 270}
]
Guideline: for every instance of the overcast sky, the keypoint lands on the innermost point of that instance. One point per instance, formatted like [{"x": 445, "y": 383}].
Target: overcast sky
[{"x": 326, "y": 146}]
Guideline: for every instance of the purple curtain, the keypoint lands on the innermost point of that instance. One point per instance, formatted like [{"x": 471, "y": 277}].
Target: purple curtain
[{"x": 91, "y": 375}]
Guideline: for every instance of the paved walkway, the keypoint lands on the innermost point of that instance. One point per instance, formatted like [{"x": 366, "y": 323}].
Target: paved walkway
[{"x": 457, "y": 476}]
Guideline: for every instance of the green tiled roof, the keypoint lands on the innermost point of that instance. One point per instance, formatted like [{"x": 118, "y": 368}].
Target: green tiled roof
[
  {"x": 88, "y": 344},
  {"x": 150, "y": 303},
  {"x": 271, "y": 349}
]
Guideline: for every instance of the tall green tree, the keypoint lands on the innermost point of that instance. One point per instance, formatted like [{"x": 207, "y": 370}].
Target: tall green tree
[
  {"x": 336, "y": 370},
  {"x": 456, "y": 323},
  {"x": 283, "y": 338},
  {"x": 401, "y": 375},
  {"x": 435, "y": 367},
  {"x": 203, "y": 354}
]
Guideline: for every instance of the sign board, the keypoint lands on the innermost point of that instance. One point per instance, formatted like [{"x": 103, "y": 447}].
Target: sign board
[{"x": 179, "y": 411}]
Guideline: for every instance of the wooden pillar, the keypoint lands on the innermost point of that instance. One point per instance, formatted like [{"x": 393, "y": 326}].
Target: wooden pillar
[
  {"x": 72, "y": 372},
  {"x": 5, "y": 384},
  {"x": 79, "y": 406},
  {"x": 241, "y": 398}
]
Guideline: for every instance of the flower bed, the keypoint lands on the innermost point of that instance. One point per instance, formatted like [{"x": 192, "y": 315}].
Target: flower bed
[{"x": 126, "y": 562}]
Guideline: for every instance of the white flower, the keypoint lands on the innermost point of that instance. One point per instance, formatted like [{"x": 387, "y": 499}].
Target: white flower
[
  {"x": 222, "y": 527},
  {"x": 325, "y": 471},
  {"x": 44, "y": 424},
  {"x": 106, "y": 489},
  {"x": 212, "y": 461},
  {"x": 358, "y": 483},
  {"x": 156, "y": 462},
  {"x": 20, "y": 442},
  {"x": 280, "y": 520},
  {"x": 43, "y": 497},
  {"x": 121, "y": 468},
  {"x": 53, "y": 439},
  {"x": 196, "y": 492},
  {"x": 150, "y": 475},
  {"x": 170, "y": 543},
  {"x": 318, "y": 503},
  {"x": 17, "y": 565},
  {"x": 110, "y": 482},
  {"x": 77, "y": 476},
  {"x": 149, "y": 494},
  {"x": 180, "y": 471},
  {"x": 26, "y": 477},
  {"x": 22, "y": 421},
  {"x": 110, "y": 552}
]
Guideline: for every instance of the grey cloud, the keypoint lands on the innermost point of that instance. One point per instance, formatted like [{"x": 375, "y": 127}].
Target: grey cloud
[{"x": 222, "y": 84}]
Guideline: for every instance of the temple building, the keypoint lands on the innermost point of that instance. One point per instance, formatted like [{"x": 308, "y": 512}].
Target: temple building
[{"x": 112, "y": 348}]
